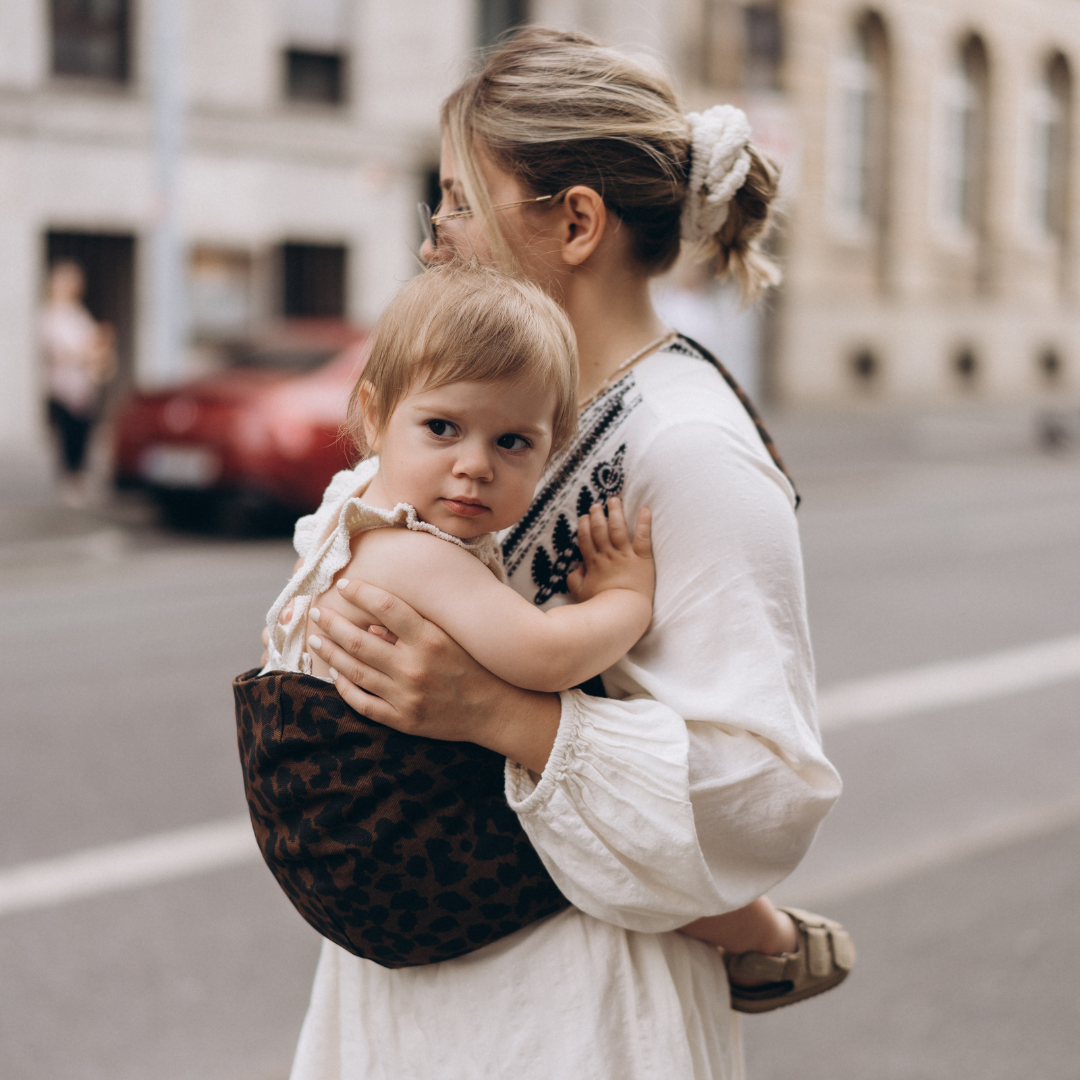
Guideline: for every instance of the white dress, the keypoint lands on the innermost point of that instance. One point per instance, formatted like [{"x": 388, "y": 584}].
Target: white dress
[{"x": 697, "y": 786}]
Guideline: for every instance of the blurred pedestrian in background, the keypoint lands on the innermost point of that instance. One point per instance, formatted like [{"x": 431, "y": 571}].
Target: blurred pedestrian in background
[{"x": 79, "y": 359}]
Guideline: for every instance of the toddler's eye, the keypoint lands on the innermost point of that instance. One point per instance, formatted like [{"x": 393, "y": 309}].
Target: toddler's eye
[
  {"x": 512, "y": 442},
  {"x": 441, "y": 428}
]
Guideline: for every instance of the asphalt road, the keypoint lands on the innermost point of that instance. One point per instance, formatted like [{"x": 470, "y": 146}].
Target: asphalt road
[{"x": 949, "y": 857}]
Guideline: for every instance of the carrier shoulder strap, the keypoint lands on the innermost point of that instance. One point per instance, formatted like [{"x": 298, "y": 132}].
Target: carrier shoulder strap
[{"x": 748, "y": 405}]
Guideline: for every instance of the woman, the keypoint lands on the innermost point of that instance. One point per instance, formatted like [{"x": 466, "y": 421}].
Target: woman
[
  {"x": 699, "y": 782},
  {"x": 78, "y": 355}
]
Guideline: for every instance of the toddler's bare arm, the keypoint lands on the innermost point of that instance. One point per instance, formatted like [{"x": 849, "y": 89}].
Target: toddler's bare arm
[{"x": 524, "y": 646}]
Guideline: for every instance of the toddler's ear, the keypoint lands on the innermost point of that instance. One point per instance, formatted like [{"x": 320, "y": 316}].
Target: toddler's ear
[{"x": 365, "y": 396}]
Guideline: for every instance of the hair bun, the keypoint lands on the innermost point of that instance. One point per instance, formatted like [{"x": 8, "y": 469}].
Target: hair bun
[{"x": 719, "y": 164}]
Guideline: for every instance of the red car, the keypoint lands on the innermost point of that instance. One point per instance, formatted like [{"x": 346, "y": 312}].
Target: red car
[{"x": 254, "y": 442}]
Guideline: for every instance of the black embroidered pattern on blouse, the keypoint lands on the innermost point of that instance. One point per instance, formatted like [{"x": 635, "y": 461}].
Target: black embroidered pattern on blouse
[
  {"x": 550, "y": 573},
  {"x": 605, "y": 414}
]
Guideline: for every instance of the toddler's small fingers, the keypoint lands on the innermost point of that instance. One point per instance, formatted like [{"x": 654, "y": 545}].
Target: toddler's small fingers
[
  {"x": 585, "y": 542},
  {"x": 599, "y": 523},
  {"x": 617, "y": 530},
  {"x": 574, "y": 580},
  {"x": 643, "y": 533}
]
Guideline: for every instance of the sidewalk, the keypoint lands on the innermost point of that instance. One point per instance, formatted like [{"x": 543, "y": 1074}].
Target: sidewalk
[
  {"x": 36, "y": 526},
  {"x": 862, "y": 437}
]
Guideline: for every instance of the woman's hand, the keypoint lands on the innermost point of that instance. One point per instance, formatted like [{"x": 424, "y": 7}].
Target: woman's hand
[{"x": 423, "y": 683}]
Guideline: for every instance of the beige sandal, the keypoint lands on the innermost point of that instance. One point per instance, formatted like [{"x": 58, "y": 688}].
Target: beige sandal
[{"x": 824, "y": 958}]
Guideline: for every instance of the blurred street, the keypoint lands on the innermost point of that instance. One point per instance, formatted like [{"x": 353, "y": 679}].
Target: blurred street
[{"x": 952, "y": 857}]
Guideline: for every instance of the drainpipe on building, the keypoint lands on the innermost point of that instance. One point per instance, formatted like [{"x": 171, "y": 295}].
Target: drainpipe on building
[{"x": 167, "y": 276}]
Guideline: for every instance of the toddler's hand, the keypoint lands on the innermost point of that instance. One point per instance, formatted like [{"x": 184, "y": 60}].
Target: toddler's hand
[{"x": 610, "y": 559}]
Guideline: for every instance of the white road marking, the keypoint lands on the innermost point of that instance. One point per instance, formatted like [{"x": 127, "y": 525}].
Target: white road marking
[
  {"x": 940, "y": 686},
  {"x": 219, "y": 845},
  {"x": 146, "y": 861},
  {"x": 979, "y": 839}
]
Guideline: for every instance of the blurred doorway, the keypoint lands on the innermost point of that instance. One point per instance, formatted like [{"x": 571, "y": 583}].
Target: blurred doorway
[
  {"x": 313, "y": 280},
  {"x": 108, "y": 261}
]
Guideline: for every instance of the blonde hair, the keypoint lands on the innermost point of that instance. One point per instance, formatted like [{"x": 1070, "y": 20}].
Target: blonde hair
[
  {"x": 557, "y": 109},
  {"x": 459, "y": 322}
]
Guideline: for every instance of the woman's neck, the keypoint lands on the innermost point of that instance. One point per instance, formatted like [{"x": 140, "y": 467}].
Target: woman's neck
[{"x": 613, "y": 317}]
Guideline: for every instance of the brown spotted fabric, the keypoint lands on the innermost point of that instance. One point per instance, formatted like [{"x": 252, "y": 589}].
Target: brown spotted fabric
[{"x": 400, "y": 849}]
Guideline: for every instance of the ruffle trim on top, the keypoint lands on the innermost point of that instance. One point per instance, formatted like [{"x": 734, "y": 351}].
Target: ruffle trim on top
[{"x": 323, "y": 561}]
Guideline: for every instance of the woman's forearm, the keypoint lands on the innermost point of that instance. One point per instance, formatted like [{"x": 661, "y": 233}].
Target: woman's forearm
[
  {"x": 521, "y": 725},
  {"x": 425, "y": 683}
]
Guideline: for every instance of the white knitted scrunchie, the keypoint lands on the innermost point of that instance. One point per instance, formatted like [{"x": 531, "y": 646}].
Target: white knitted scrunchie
[{"x": 719, "y": 163}]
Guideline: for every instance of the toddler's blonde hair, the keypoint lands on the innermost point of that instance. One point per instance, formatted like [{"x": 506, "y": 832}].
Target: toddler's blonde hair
[{"x": 461, "y": 322}]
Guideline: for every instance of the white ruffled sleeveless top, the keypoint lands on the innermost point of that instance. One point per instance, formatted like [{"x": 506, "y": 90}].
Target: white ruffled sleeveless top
[{"x": 324, "y": 541}]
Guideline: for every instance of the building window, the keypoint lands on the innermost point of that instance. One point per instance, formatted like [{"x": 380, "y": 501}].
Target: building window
[
  {"x": 966, "y": 368},
  {"x": 313, "y": 280},
  {"x": 108, "y": 261},
  {"x": 965, "y": 109},
  {"x": 862, "y": 124},
  {"x": 1051, "y": 117},
  {"x": 866, "y": 368},
  {"x": 498, "y": 17},
  {"x": 1051, "y": 369},
  {"x": 737, "y": 45},
  {"x": 764, "y": 46},
  {"x": 316, "y": 77},
  {"x": 90, "y": 39},
  {"x": 716, "y": 45},
  {"x": 219, "y": 292}
]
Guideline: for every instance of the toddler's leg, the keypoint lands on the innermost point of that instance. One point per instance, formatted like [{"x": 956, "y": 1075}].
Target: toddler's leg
[
  {"x": 758, "y": 927},
  {"x": 776, "y": 958}
]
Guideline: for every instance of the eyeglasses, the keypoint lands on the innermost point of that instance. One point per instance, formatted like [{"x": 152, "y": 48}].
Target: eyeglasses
[{"x": 430, "y": 222}]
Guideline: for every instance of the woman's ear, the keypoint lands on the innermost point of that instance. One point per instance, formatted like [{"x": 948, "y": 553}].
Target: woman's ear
[
  {"x": 584, "y": 221},
  {"x": 365, "y": 394}
]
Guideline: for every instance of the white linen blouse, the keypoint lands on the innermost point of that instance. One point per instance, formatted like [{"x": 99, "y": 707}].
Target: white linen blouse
[{"x": 693, "y": 788}]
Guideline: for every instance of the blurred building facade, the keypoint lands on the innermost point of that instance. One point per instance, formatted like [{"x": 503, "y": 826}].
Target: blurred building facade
[
  {"x": 931, "y": 244},
  {"x": 309, "y": 134},
  {"x": 934, "y": 242}
]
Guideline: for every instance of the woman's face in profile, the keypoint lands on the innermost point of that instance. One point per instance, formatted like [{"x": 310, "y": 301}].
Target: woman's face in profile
[{"x": 529, "y": 230}]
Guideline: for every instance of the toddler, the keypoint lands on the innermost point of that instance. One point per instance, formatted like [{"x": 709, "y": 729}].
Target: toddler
[{"x": 469, "y": 391}]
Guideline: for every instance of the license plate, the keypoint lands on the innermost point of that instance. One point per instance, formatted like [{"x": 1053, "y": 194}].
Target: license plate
[{"x": 180, "y": 466}]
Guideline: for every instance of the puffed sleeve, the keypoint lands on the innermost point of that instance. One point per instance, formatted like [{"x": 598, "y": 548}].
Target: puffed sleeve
[{"x": 700, "y": 782}]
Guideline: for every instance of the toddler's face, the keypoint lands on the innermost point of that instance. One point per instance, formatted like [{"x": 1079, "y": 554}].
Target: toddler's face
[{"x": 467, "y": 456}]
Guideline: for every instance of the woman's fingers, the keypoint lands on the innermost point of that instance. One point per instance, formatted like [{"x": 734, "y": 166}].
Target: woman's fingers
[
  {"x": 334, "y": 631},
  {"x": 643, "y": 533},
  {"x": 369, "y": 705},
  {"x": 362, "y": 674},
  {"x": 385, "y": 609}
]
